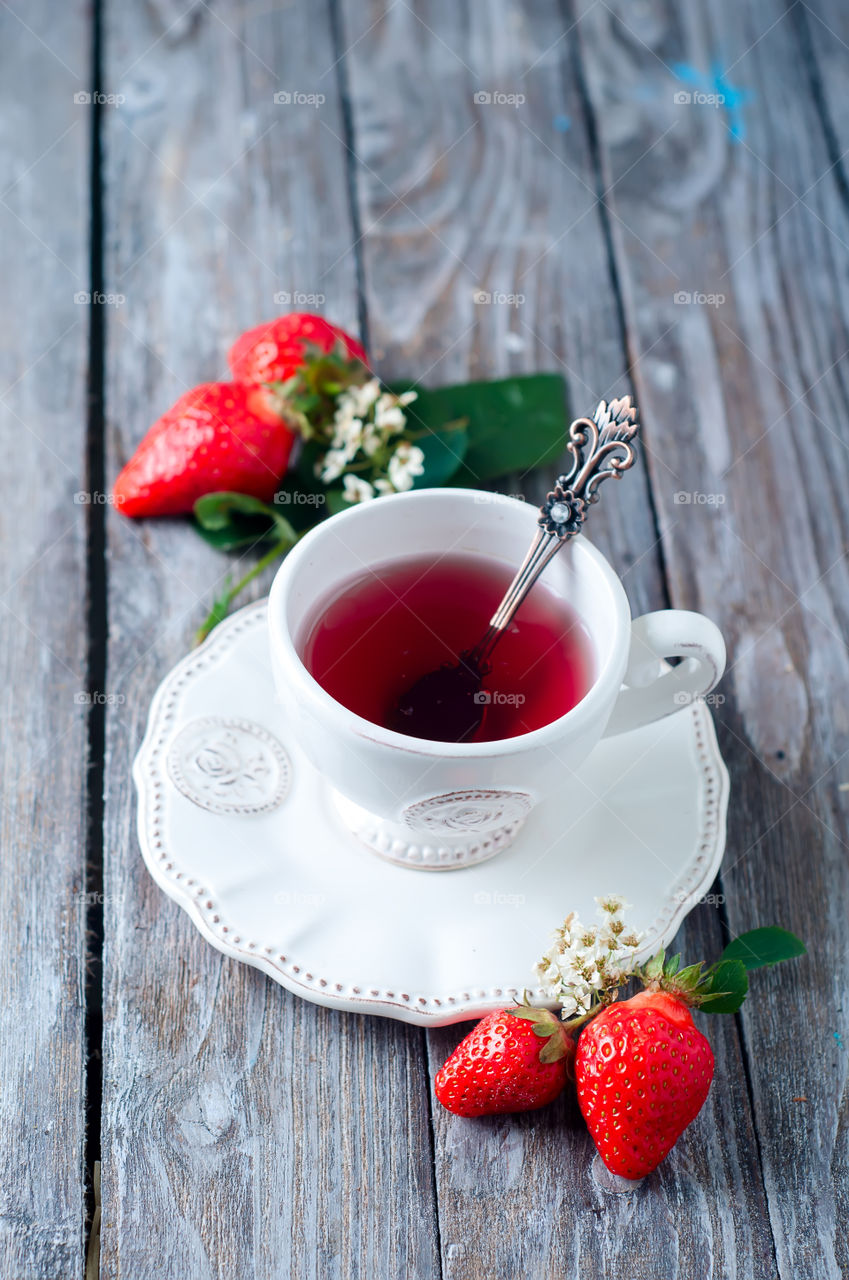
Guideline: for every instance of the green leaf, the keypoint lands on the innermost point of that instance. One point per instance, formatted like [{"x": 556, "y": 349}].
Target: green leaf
[
  {"x": 728, "y": 987},
  {"x": 336, "y": 502},
  {"x": 554, "y": 1049},
  {"x": 534, "y": 1013},
  {"x": 228, "y": 520},
  {"x": 215, "y": 510},
  {"x": 308, "y": 456},
  {"x": 690, "y": 977},
  {"x": 444, "y": 452},
  {"x": 760, "y": 947},
  {"x": 512, "y": 424},
  {"x": 653, "y": 968}
]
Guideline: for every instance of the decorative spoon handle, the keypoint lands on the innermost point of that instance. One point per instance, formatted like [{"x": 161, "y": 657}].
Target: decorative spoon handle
[{"x": 600, "y": 446}]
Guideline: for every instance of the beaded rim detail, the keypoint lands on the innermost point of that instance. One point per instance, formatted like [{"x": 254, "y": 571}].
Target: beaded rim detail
[{"x": 422, "y": 1009}]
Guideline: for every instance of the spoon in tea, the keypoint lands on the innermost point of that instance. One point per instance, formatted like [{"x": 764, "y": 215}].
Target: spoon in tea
[{"x": 447, "y": 705}]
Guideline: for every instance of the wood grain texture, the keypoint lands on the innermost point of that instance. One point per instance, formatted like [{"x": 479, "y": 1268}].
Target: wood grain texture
[
  {"x": 455, "y": 196},
  {"x": 747, "y": 402},
  {"x": 43, "y": 342},
  {"x": 245, "y": 1133}
]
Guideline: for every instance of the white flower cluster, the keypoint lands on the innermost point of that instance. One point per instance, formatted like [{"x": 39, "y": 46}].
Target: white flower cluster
[
  {"x": 365, "y": 421},
  {"x": 587, "y": 963}
]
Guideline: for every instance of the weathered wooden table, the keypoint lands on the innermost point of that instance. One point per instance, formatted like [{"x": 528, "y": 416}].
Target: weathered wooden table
[{"x": 659, "y": 202}]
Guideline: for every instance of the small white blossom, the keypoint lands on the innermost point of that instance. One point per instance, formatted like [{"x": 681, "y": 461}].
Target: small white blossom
[
  {"x": 568, "y": 1006},
  {"x": 613, "y": 905},
  {"x": 388, "y": 415},
  {"x": 355, "y": 489},
  {"x": 358, "y": 400},
  {"x": 364, "y": 421},
  {"x": 348, "y": 435},
  {"x": 372, "y": 439},
  {"x": 335, "y": 462},
  {"x": 406, "y": 462},
  {"x": 586, "y": 963},
  {"x": 583, "y": 997}
]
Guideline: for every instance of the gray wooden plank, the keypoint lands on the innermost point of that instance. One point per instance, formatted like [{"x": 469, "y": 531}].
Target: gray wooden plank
[
  {"x": 245, "y": 1133},
  {"x": 43, "y": 347},
  {"x": 457, "y": 196},
  {"x": 746, "y": 400},
  {"x": 821, "y": 28}
]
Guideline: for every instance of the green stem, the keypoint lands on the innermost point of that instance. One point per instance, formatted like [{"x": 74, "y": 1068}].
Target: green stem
[
  {"x": 222, "y": 605},
  {"x": 574, "y": 1023}
]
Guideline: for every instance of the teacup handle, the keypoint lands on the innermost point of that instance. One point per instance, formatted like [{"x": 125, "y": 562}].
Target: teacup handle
[{"x": 652, "y": 690}]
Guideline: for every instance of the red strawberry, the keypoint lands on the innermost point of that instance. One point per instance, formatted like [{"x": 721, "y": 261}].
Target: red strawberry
[
  {"x": 217, "y": 436},
  {"x": 272, "y": 352},
  {"x": 501, "y": 1066},
  {"x": 643, "y": 1073}
]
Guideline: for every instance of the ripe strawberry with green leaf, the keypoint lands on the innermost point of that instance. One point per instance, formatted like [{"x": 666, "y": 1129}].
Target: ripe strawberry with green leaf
[
  {"x": 274, "y": 351},
  {"x": 216, "y": 437},
  {"x": 513, "y": 1060},
  {"x": 642, "y": 1068}
]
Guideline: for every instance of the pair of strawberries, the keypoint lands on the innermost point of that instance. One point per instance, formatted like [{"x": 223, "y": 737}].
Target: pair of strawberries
[
  {"x": 228, "y": 435},
  {"x": 642, "y": 1069}
]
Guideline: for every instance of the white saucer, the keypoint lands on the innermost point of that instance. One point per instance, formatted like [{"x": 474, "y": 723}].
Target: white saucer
[{"x": 236, "y": 826}]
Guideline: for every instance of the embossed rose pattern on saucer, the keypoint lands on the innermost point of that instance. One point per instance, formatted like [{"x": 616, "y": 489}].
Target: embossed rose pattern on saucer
[{"x": 238, "y": 828}]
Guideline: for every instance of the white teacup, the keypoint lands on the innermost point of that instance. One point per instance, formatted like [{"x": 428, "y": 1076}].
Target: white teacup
[{"x": 438, "y": 805}]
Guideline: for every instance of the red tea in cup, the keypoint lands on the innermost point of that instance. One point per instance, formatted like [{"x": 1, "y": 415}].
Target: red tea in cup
[{"x": 381, "y": 631}]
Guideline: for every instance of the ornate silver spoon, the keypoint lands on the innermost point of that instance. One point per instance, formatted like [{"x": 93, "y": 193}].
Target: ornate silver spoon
[{"x": 442, "y": 705}]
